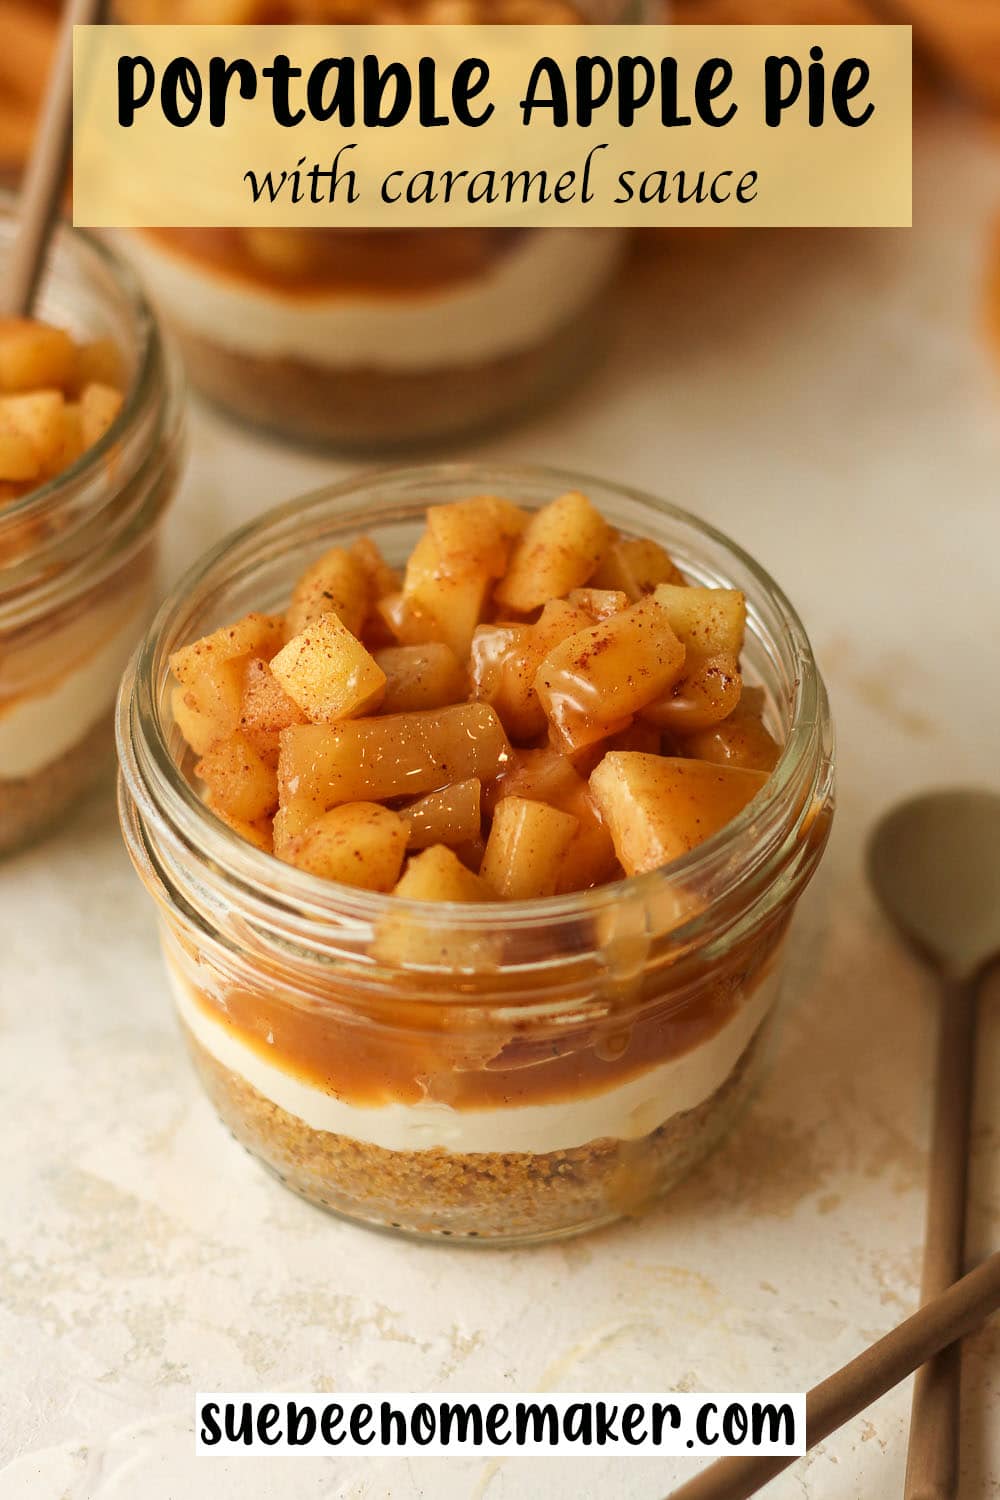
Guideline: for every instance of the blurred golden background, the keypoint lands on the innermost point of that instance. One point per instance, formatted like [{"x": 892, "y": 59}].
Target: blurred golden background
[{"x": 956, "y": 42}]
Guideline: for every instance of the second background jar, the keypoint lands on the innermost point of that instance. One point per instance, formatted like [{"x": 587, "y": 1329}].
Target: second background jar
[{"x": 373, "y": 340}]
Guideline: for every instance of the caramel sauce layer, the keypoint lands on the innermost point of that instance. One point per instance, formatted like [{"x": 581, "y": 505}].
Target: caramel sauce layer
[
  {"x": 304, "y": 263},
  {"x": 445, "y": 1052}
]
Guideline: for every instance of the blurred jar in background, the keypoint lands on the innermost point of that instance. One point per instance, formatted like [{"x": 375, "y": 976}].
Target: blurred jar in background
[
  {"x": 80, "y": 523},
  {"x": 374, "y": 339}
]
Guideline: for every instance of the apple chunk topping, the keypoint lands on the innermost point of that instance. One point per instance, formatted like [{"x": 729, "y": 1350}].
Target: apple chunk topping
[
  {"x": 536, "y": 704},
  {"x": 58, "y": 398},
  {"x": 593, "y": 684},
  {"x": 660, "y": 807}
]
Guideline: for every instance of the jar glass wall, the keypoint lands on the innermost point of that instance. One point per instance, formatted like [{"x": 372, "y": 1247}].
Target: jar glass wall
[
  {"x": 380, "y": 339},
  {"x": 497, "y": 1072},
  {"x": 78, "y": 554}
]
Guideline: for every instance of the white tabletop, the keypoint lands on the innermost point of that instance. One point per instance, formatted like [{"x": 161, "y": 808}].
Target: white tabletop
[{"x": 832, "y": 402}]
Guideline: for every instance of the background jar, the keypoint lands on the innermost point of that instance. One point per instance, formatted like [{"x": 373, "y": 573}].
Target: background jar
[
  {"x": 78, "y": 555},
  {"x": 379, "y": 339},
  {"x": 497, "y": 1073}
]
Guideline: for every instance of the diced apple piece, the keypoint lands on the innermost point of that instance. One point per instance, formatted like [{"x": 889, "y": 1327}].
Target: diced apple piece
[
  {"x": 382, "y": 579},
  {"x": 475, "y": 536},
  {"x": 471, "y": 853},
  {"x": 506, "y": 678},
  {"x": 36, "y": 416},
  {"x": 526, "y": 848},
  {"x": 437, "y": 874},
  {"x": 491, "y": 646},
  {"x": 266, "y": 709},
  {"x": 592, "y": 684},
  {"x": 98, "y": 362},
  {"x": 450, "y": 816},
  {"x": 542, "y": 775},
  {"x": 638, "y": 735},
  {"x": 257, "y": 833},
  {"x": 711, "y": 624},
  {"x": 291, "y": 821},
  {"x": 99, "y": 406},
  {"x": 406, "y": 622},
  {"x": 359, "y": 844},
  {"x": 216, "y": 696},
  {"x": 70, "y": 443},
  {"x": 658, "y": 808},
  {"x": 562, "y": 546},
  {"x": 706, "y": 694},
  {"x": 200, "y": 730},
  {"x": 211, "y": 669},
  {"x": 328, "y": 672},
  {"x": 416, "y": 677},
  {"x": 254, "y": 635},
  {"x": 590, "y": 858},
  {"x": 241, "y": 783},
  {"x": 636, "y": 566},
  {"x": 453, "y": 600},
  {"x": 547, "y": 776},
  {"x": 513, "y": 520},
  {"x": 741, "y": 740},
  {"x": 34, "y": 355},
  {"x": 19, "y": 460},
  {"x": 599, "y": 604},
  {"x": 398, "y": 755},
  {"x": 335, "y": 582}
]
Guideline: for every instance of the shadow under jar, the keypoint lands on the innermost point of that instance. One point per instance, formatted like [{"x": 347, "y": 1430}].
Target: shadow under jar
[
  {"x": 379, "y": 339},
  {"x": 78, "y": 554},
  {"x": 500, "y": 1073}
]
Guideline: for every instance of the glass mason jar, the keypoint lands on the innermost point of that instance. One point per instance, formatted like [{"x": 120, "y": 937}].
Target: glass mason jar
[
  {"x": 78, "y": 555},
  {"x": 377, "y": 339},
  {"x": 500, "y": 1072}
]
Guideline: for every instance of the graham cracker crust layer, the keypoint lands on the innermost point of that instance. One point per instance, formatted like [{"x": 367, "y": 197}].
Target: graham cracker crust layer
[
  {"x": 492, "y": 1197},
  {"x": 29, "y": 804},
  {"x": 366, "y": 409}
]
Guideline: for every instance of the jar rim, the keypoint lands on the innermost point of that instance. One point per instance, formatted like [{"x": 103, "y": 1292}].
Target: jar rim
[
  {"x": 148, "y": 349},
  {"x": 159, "y": 789}
]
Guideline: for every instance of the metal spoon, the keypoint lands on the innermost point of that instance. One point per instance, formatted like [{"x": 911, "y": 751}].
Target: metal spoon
[
  {"x": 935, "y": 866},
  {"x": 46, "y": 174}
]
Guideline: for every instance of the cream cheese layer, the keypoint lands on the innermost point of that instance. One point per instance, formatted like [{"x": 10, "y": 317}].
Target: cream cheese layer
[
  {"x": 626, "y": 1112},
  {"x": 517, "y": 302}
]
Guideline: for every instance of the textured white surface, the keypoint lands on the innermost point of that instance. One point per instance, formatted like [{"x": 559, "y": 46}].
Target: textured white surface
[{"x": 835, "y": 407}]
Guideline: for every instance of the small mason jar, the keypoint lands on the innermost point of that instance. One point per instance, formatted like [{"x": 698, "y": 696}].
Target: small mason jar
[
  {"x": 505, "y": 1072},
  {"x": 78, "y": 555},
  {"x": 370, "y": 340}
]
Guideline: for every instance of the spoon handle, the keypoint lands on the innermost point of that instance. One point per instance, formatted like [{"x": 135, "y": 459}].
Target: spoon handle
[
  {"x": 963, "y": 1307},
  {"x": 933, "y": 1458},
  {"x": 46, "y": 173}
]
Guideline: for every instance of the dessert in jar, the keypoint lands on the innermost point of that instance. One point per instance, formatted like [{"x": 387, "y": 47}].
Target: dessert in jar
[
  {"x": 381, "y": 338},
  {"x": 89, "y": 427},
  {"x": 475, "y": 803}
]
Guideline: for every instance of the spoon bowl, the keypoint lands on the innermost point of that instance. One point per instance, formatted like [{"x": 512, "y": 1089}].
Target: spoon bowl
[{"x": 935, "y": 865}]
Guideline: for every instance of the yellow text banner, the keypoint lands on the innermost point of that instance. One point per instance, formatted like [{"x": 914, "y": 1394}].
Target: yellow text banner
[{"x": 438, "y": 126}]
